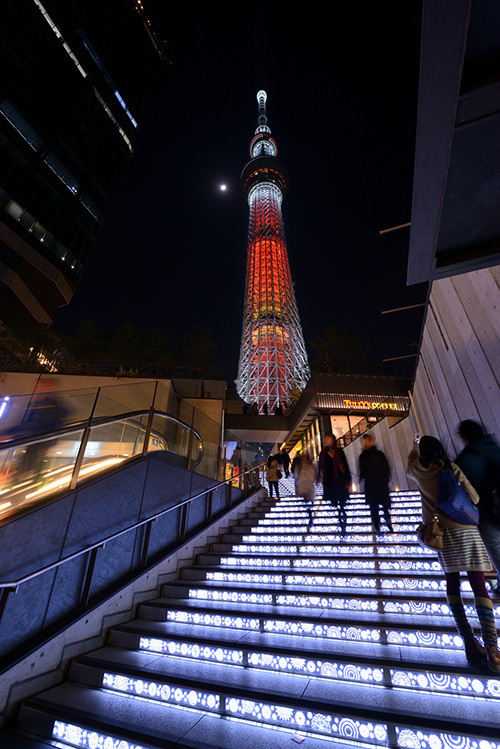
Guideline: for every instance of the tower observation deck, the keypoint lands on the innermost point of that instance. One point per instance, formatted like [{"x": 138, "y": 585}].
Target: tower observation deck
[{"x": 273, "y": 361}]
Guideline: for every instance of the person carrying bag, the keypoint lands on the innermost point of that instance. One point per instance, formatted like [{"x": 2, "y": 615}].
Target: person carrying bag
[{"x": 462, "y": 548}]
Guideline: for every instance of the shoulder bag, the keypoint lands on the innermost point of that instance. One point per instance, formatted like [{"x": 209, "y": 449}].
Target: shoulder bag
[
  {"x": 454, "y": 501},
  {"x": 430, "y": 535}
]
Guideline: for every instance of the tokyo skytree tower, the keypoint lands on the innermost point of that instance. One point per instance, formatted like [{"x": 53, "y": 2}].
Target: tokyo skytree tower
[{"x": 273, "y": 363}]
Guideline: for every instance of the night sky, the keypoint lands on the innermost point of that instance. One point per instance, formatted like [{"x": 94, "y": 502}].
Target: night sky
[{"x": 342, "y": 88}]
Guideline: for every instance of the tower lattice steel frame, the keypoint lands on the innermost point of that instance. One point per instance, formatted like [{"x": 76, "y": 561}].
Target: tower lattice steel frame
[{"x": 273, "y": 363}]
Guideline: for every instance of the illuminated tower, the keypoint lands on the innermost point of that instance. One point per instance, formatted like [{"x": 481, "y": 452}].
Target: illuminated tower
[{"x": 273, "y": 361}]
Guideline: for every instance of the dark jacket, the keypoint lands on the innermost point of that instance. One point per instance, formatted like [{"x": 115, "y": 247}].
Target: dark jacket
[
  {"x": 480, "y": 462},
  {"x": 375, "y": 472},
  {"x": 333, "y": 469},
  {"x": 373, "y": 467}
]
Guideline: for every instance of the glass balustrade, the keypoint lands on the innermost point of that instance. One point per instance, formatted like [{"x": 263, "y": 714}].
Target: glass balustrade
[{"x": 93, "y": 430}]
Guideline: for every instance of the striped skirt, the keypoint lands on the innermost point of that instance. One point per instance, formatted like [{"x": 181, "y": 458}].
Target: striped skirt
[{"x": 463, "y": 549}]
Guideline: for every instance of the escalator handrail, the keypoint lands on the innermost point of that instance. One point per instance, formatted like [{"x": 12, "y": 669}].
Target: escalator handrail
[
  {"x": 103, "y": 541},
  {"x": 82, "y": 425}
]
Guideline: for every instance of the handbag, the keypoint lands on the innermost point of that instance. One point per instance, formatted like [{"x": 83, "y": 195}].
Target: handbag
[
  {"x": 454, "y": 501},
  {"x": 430, "y": 535},
  {"x": 280, "y": 475}
]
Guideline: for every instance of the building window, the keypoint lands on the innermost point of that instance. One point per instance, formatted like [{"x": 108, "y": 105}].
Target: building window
[{"x": 21, "y": 124}]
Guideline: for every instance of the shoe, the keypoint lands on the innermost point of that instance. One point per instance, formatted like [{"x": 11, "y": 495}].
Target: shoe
[
  {"x": 493, "y": 657},
  {"x": 474, "y": 651}
]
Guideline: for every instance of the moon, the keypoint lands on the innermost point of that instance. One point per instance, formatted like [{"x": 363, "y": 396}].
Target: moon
[{"x": 222, "y": 188}]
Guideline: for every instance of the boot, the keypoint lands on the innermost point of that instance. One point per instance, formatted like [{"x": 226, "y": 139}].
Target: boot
[
  {"x": 474, "y": 651},
  {"x": 484, "y": 609},
  {"x": 493, "y": 657}
]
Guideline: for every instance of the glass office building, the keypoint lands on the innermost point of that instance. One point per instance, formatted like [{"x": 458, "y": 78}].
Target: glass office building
[{"x": 77, "y": 80}]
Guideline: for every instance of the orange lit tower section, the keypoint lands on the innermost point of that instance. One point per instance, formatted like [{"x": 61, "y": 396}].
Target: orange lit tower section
[{"x": 273, "y": 360}]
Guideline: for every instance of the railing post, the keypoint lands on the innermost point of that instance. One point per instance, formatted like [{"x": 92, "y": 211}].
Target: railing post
[
  {"x": 184, "y": 512},
  {"x": 88, "y": 577},
  {"x": 228, "y": 494},
  {"x": 4, "y": 597},
  {"x": 190, "y": 445},
  {"x": 209, "y": 506},
  {"x": 149, "y": 423},
  {"x": 83, "y": 445},
  {"x": 145, "y": 543},
  {"x": 240, "y": 467}
]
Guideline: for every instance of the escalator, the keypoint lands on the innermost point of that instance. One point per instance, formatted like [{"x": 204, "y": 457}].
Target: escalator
[{"x": 36, "y": 467}]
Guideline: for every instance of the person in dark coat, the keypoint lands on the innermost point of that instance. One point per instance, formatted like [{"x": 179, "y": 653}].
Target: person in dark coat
[
  {"x": 374, "y": 470},
  {"x": 480, "y": 462},
  {"x": 334, "y": 471},
  {"x": 285, "y": 461}
]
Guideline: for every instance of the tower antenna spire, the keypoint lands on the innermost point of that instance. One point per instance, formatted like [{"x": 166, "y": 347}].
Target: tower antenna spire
[{"x": 262, "y": 121}]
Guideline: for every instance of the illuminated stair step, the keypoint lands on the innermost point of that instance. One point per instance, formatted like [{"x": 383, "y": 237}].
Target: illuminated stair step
[
  {"x": 432, "y": 580},
  {"x": 186, "y": 727},
  {"x": 153, "y": 716},
  {"x": 327, "y": 518},
  {"x": 229, "y": 698},
  {"x": 413, "y": 627},
  {"x": 310, "y": 537},
  {"x": 351, "y": 521},
  {"x": 323, "y": 530},
  {"x": 328, "y": 526},
  {"x": 400, "y": 551},
  {"x": 302, "y": 561},
  {"x": 318, "y": 706},
  {"x": 373, "y": 601},
  {"x": 325, "y": 508},
  {"x": 361, "y": 633},
  {"x": 291, "y": 504},
  {"x": 315, "y": 664}
]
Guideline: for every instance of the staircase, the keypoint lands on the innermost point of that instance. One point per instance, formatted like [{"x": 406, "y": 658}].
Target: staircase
[{"x": 284, "y": 633}]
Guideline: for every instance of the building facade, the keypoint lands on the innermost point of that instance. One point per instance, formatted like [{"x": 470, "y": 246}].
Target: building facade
[
  {"x": 76, "y": 82},
  {"x": 273, "y": 365}
]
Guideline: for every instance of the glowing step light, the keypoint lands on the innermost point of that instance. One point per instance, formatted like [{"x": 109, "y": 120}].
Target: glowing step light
[
  {"x": 338, "y": 603},
  {"x": 427, "y": 681},
  {"x": 408, "y": 738},
  {"x": 398, "y": 551},
  {"x": 267, "y": 537},
  {"x": 74, "y": 735},
  {"x": 330, "y": 581},
  {"x": 161, "y": 692},
  {"x": 350, "y": 521},
  {"x": 333, "y": 564},
  {"x": 322, "y": 529},
  {"x": 322, "y": 723},
  {"x": 190, "y": 650}
]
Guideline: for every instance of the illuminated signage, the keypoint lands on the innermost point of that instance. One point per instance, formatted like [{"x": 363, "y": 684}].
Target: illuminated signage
[
  {"x": 370, "y": 405},
  {"x": 362, "y": 402}
]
